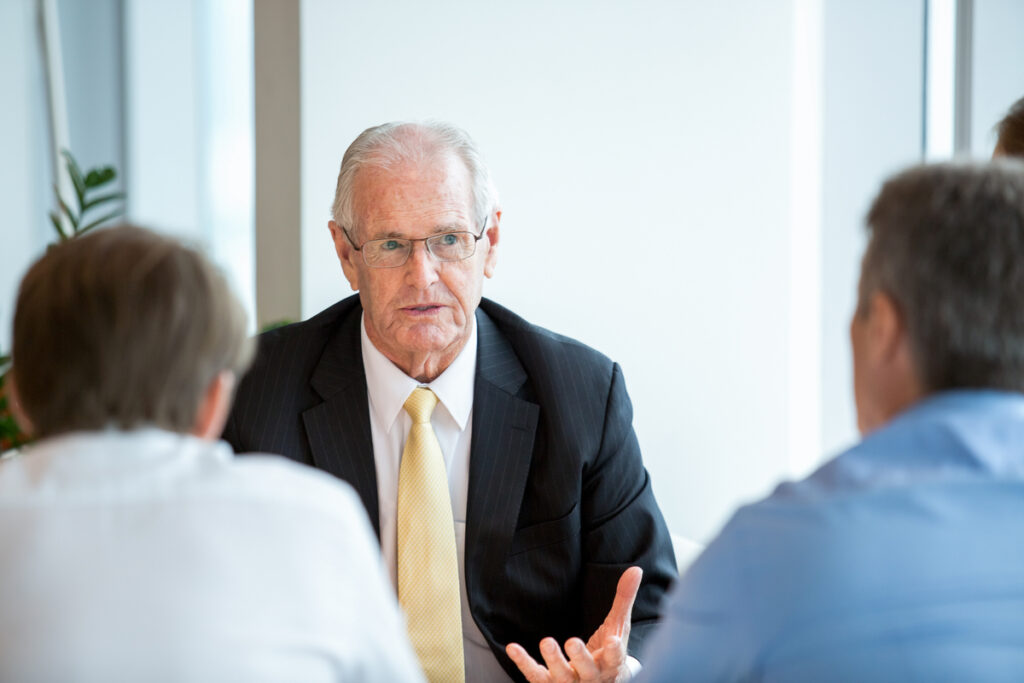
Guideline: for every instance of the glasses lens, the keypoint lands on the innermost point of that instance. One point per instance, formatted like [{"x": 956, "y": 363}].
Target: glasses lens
[
  {"x": 452, "y": 246},
  {"x": 386, "y": 253}
]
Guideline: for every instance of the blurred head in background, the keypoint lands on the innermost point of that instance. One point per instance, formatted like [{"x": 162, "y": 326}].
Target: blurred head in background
[
  {"x": 124, "y": 328},
  {"x": 941, "y": 300},
  {"x": 1010, "y": 132}
]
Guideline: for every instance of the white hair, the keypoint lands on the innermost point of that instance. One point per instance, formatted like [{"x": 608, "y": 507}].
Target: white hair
[{"x": 389, "y": 144}]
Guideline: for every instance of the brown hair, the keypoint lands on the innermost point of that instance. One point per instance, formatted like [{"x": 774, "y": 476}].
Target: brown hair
[
  {"x": 1010, "y": 140},
  {"x": 123, "y": 328},
  {"x": 947, "y": 245}
]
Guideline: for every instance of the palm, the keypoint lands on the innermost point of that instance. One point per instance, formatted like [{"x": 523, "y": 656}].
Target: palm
[
  {"x": 604, "y": 656},
  {"x": 601, "y": 635}
]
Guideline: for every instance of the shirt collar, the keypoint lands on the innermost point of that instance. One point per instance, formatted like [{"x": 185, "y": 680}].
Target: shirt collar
[{"x": 388, "y": 387}]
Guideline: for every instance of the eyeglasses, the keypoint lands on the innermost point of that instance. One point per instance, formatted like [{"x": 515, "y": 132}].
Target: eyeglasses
[{"x": 393, "y": 252}]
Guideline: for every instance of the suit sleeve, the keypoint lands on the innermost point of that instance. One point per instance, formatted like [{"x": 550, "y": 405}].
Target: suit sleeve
[{"x": 622, "y": 524}]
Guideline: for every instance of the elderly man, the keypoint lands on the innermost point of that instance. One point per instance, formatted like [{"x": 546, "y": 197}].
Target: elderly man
[
  {"x": 133, "y": 545},
  {"x": 899, "y": 560},
  {"x": 496, "y": 459}
]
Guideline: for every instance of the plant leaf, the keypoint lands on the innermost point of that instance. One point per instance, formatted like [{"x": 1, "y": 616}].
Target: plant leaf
[
  {"x": 55, "y": 219},
  {"x": 275, "y": 324},
  {"x": 87, "y": 228},
  {"x": 100, "y": 176},
  {"x": 66, "y": 209},
  {"x": 96, "y": 201},
  {"x": 76, "y": 176}
]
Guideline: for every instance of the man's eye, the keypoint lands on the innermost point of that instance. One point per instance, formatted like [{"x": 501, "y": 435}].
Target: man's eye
[
  {"x": 450, "y": 239},
  {"x": 390, "y": 245}
]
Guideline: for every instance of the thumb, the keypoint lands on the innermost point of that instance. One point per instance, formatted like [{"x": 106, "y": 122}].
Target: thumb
[
  {"x": 625, "y": 595},
  {"x": 612, "y": 654}
]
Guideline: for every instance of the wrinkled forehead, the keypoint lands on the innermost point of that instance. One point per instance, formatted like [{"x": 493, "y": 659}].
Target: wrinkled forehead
[{"x": 424, "y": 193}]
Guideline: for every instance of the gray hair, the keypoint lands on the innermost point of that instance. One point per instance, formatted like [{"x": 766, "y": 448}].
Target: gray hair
[
  {"x": 947, "y": 245},
  {"x": 389, "y": 144}
]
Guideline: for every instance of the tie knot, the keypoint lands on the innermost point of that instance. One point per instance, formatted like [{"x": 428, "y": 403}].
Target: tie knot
[{"x": 420, "y": 405}]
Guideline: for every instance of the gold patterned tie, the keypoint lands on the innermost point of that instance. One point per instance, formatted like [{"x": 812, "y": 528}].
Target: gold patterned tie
[{"x": 428, "y": 562}]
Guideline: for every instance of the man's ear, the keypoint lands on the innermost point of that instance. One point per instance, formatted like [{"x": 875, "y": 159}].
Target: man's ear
[
  {"x": 214, "y": 407},
  {"x": 346, "y": 254},
  {"x": 887, "y": 330},
  {"x": 11, "y": 389},
  {"x": 896, "y": 374},
  {"x": 491, "y": 235}
]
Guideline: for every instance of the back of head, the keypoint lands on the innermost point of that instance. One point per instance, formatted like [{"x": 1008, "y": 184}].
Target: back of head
[
  {"x": 123, "y": 328},
  {"x": 391, "y": 144},
  {"x": 947, "y": 245},
  {"x": 1010, "y": 132}
]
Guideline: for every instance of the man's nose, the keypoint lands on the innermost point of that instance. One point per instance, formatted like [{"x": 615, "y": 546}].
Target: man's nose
[{"x": 421, "y": 268}]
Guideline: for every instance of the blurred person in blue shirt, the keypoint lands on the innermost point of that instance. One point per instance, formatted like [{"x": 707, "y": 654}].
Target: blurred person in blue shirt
[{"x": 902, "y": 558}]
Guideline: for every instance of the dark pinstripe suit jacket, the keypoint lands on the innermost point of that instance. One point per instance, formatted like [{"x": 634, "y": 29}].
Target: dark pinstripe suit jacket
[{"x": 559, "y": 501}]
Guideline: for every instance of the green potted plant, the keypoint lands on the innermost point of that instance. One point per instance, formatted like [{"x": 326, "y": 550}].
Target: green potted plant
[
  {"x": 10, "y": 435},
  {"x": 91, "y": 193}
]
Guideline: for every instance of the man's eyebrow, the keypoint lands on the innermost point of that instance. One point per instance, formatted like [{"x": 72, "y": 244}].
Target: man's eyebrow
[
  {"x": 437, "y": 230},
  {"x": 448, "y": 227}
]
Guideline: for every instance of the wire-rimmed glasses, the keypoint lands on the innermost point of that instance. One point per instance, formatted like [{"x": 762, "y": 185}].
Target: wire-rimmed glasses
[{"x": 392, "y": 252}]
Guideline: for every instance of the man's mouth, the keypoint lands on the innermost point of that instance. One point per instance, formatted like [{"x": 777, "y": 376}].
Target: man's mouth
[{"x": 425, "y": 308}]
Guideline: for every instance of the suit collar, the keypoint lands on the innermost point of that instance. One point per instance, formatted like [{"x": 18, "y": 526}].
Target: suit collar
[
  {"x": 340, "y": 380},
  {"x": 504, "y": 426},
  {"x": 341, "y": 365},
  {"x": 497, "y": 363}
]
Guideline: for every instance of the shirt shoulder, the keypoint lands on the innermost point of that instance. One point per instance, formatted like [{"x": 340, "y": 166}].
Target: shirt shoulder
[{"x": 279, "y": 482}]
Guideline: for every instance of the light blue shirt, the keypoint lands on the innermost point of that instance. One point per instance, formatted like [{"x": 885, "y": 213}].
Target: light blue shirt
[{"x": 900, "y": 560}]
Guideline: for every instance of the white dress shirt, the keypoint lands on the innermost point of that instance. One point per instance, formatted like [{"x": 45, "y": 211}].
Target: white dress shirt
[
  {"x": 387, "y": 389},
  {"x": 153, "y": 556}
]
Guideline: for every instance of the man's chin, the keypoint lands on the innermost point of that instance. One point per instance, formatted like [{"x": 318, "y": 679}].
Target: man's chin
[{"x": 429, "y": 340}]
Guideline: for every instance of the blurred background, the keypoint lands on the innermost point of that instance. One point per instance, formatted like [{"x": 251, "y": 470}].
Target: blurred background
[{"x": 683, "y": 183}]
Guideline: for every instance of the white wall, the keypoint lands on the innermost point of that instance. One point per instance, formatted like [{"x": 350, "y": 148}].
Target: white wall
[
  {"x": 873, "y": 107},
  {"x": 641, "y": 150},
  {"x": 90, "y": 43},
  {"x": 161, "y": 91},
  {"x": 188, "y": 139},
  {"x": 24, "y": 229},
  {"x": 93, "y": 63},
  {"x": 225, "y": 148}
]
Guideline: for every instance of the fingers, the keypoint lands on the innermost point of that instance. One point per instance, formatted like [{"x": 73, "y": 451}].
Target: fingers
[
  {"x": 611, "y": 657},
  {"x": 534, "y": 672},
  {"x": 558, "y": 667},
  {"x": 581, "y": 660},
  {"x": 625, "y": 595},
  {"x": 603, "y": 664}
]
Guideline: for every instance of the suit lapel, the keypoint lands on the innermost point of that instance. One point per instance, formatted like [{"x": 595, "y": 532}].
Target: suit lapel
[
  {"x": 339, "y": 428},
  {"x": 504, "y": 427}
]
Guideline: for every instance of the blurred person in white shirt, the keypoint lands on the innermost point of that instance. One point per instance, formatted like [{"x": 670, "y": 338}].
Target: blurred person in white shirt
[{"x": 134, "y": 546}]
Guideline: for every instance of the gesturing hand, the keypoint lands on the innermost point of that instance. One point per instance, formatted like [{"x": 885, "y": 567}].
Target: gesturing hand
[{"x": 602, "y": 658}]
